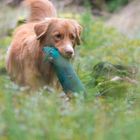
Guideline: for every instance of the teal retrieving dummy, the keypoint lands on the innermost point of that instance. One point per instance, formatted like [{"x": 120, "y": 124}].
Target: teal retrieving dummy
[{"x": 64, "y": 71}]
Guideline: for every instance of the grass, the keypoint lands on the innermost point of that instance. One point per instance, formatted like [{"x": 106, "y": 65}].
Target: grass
[{"x": 41, "y": 115}]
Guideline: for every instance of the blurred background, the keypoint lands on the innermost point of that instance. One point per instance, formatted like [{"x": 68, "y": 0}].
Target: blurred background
[{"x": 121, "y": 14}]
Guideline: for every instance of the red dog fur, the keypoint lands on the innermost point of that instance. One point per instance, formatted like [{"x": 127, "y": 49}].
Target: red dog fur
[{"x": 25, "y": 58}]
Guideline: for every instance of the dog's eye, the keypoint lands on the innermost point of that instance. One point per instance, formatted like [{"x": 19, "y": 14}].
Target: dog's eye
[
  {"x": 58, "y": 36},
  {"x": 72, "y": 37}
]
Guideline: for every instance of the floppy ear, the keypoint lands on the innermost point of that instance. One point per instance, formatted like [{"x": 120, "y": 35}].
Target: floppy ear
[
  {"x": 78, "y": 33},
  {"x": 40, "y": 30}
]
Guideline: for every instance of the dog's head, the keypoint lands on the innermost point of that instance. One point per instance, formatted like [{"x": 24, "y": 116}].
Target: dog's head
[{"x": 64, "y": 34}]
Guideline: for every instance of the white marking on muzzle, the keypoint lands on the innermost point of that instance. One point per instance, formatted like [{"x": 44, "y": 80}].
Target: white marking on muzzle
[{"x": 69, "y": 48}]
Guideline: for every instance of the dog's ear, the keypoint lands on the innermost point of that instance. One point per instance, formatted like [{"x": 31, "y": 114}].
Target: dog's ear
[
  {"x": 40, "y": 30},
  {"x": 78, "y": 33}
]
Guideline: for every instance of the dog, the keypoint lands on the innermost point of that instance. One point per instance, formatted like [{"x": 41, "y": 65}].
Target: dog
[{"x": 24, "y": 61}]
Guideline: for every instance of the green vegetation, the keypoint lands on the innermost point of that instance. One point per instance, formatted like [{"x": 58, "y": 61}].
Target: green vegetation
[
  {"x": 41, "y": 115},
  {"x": 114, "y": 5}
]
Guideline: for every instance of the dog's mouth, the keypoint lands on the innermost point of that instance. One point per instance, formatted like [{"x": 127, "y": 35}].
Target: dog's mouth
[{"x": 67, "y": 56}]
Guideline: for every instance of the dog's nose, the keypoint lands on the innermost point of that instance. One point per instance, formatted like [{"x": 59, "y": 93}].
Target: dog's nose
[{"x": 69, "y": 53}]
